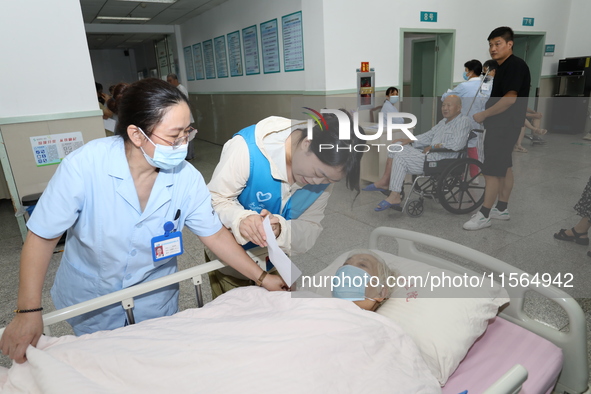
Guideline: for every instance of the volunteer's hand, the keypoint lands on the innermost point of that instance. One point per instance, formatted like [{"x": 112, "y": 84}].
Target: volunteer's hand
[
  {"x": 274, "y": 283},
  {"x": 251, "y": 229},
  {"x": 274, "y": 220},
  {"x": 24, "y": 330}
]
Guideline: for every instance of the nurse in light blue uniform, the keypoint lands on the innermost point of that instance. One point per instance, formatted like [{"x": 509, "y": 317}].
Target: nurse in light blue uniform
[
  {"x": 392, "y": 98},
  {"x": 114, "y": 196}
]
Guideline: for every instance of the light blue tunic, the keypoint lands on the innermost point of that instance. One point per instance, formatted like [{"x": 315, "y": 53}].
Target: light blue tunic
[{"x": 108, "y": 246}]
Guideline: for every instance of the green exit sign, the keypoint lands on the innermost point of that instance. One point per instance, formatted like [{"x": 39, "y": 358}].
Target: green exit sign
[
  {"x": 528, "y": 22},
  {"x": 428, "y": 16}
]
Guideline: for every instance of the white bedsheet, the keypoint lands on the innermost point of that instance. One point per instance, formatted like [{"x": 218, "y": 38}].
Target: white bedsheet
[{"x": 247, "y": 341}]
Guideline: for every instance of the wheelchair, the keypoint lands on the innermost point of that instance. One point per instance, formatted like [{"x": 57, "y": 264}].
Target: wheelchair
[{"x": 448, "y": 181}]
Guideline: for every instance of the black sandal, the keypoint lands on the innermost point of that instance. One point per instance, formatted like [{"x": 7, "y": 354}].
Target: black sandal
[{"x": 576, "y": 237}]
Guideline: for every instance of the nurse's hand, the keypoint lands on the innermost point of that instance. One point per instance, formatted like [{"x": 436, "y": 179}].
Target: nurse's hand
[
  {"x": 24, "y": 330},
  {"x": 251, "y": 229},
  {"x": 274, "y": 283}
]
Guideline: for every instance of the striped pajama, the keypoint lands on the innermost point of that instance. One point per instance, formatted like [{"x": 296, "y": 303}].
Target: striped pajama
[
  {"x": 451, "y": 135},
  {"x": 408, "y": 161}
]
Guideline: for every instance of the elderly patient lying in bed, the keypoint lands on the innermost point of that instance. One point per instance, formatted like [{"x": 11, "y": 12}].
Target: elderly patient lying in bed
[{"x": 363, "y": 279}]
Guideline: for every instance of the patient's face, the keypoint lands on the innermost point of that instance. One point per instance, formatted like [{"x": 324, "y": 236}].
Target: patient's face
[
  {"x": 369, "y": 264},
  {"x": 366, "y": 262}
]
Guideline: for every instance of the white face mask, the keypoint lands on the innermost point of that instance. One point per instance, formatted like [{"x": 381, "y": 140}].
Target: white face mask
[
  {"x": 165, "y": 157},
  {"x": 394, "y": 99}
]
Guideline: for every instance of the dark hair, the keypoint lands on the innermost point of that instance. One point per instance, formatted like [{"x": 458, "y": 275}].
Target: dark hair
[
  {"x": 474, "y": 65},
  {"x": 392, "y": 89},
  {"x": 342, "y": 154},
  {"x": 173, "y": 76},
  {"x": 118, "y": 91},
  {"x": 504, "y": 32},
  {"x": 99, "y": 90},
  {"x": 490, "y": 65},
  {"x": 144, "y": 103}
]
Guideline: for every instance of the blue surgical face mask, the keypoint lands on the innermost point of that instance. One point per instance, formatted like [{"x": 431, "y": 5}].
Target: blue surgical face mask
[
  {"x": 465, "y": 75},
  {"x": 165, "y": 157},
  {"x": 394, "y": 99},
  {"x": 349, "y": 283}
]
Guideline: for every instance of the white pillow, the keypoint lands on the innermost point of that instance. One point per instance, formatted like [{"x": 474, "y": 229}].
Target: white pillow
[{"x": 443, "y": 322}]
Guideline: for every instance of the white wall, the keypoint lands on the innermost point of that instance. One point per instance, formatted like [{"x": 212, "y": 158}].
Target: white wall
[
  {"x": 237, "y": 14},
  {"x": 356, "y": 32},
  {"x": 111, "y": 66},
  {"x": 45, "y": 67},
  {"x": 578, "y": 42}
]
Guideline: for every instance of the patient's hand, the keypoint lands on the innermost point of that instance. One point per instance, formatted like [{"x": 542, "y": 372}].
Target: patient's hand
[{"x": 24, "y": 330}]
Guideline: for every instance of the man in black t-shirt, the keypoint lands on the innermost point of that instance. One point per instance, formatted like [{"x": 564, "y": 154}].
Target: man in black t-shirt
[{"x": 503, "y": 118}]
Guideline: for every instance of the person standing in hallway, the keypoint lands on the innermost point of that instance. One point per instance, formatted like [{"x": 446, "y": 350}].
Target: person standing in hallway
[{"x": 503, "y": 118}]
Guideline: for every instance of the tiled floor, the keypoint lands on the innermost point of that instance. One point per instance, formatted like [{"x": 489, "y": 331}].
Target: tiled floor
[{"x": 549, "y": 181}]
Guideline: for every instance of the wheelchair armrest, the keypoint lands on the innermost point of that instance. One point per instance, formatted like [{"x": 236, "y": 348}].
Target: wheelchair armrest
[
  {"x": 434, "y": 150},
  {"x": 478, "y": 130}
]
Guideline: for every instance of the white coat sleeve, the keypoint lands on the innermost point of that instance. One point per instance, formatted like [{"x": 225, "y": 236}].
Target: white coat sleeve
[
  {"x": 303, "y": 232},
  {"x": 228, "y": 180}
]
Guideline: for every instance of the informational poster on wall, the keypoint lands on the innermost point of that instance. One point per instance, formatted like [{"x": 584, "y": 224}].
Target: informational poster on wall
[
  {"x": 221, "y": 61},
  {"x": 189, "y": 63},
  {"x": 198, "y": 56},
  {"x": 293, "y": 42},
  {"x": 250, "y": 42},
  {"x": 209, "y": 59},
  {"x": 270, "y": 46},
  {"x": 235, "y": 54},
  {"x": 51, "y": 149}
]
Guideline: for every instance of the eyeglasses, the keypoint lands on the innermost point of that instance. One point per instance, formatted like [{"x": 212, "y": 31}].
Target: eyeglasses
[{"x": 190, "y": 133}]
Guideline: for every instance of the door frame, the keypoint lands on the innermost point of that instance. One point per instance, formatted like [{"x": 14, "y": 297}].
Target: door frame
[
  {"x": 537, "y": 56},
  {"x": 442, "y": 76}
]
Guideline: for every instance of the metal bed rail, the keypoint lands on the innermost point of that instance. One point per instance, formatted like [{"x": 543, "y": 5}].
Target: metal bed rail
[{"x": 574, "y": 377}]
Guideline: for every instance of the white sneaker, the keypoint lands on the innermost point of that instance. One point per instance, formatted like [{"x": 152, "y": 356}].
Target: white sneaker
[
  {"x": 499, "y": 215},
  {"x": 477, "y": 222}
]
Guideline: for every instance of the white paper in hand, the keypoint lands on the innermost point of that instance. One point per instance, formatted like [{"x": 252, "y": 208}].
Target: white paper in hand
[{"x": 287, "y": 269}]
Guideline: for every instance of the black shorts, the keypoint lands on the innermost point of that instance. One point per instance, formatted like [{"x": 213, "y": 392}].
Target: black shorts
[{"x": 498, "y": 149}]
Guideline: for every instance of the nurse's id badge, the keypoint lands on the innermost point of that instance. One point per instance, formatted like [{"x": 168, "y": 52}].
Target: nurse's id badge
[{"x": 168, "y": 245}]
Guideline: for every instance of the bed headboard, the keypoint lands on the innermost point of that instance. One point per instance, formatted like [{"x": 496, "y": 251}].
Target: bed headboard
[{"x": 575, "y": 372}]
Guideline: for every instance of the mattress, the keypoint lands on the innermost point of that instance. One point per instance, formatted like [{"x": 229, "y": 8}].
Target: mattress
[{"x": 503, "y": 345}]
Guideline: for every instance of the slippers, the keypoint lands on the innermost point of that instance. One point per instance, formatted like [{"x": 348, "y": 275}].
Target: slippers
[
  {"x": 519, "y": 149},
  {"x": 383, "y": 205},
  {"x": 576, "y": 237},
  {"x": 373, "y": 188}
]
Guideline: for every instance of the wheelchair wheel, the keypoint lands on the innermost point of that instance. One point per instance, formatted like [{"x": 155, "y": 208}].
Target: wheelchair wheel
[
  {"x": 457, "y": 190},
  {"x": 415, "y": 208}
]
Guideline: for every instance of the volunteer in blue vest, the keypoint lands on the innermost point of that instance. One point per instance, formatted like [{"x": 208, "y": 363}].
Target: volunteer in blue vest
[
  {"x": 273, "y": 169},
  {"x": 123, "y": 201}
]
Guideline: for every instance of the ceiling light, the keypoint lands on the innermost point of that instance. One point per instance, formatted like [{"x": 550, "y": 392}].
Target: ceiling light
[
  {"x": 122, "y": 18},
  {"x": 152, "y": 1}
]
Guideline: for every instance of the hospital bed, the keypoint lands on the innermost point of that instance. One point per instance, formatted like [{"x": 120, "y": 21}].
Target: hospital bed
[{"x": 573, "y": 371}]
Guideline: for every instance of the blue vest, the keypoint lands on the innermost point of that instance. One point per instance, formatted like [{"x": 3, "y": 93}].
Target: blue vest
[{"x": 262, "y": 191}]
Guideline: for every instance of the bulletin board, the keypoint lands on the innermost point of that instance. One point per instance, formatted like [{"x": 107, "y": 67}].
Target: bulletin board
[{"x": 21, "y": 167}]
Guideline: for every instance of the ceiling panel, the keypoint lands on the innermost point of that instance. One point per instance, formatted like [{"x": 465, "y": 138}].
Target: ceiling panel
[{"x": 160, "y": 14}]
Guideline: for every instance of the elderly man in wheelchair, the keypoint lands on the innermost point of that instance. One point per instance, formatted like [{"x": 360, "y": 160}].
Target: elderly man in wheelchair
[{"x": 443, "y": 141}]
